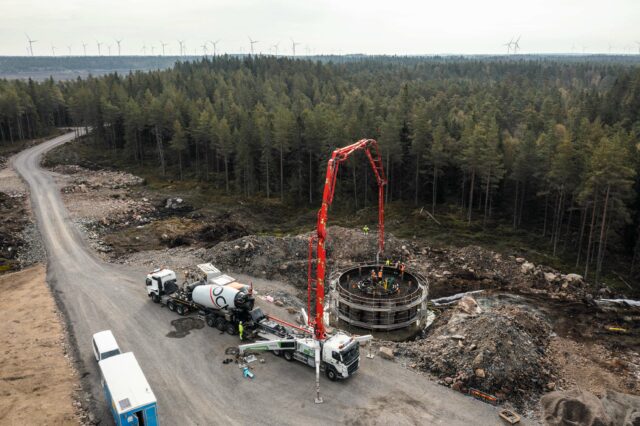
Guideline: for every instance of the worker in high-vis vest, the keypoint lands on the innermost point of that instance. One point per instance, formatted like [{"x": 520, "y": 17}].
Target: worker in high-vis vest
[
  {"x": 240, "y": 329},
  {"x": 365, "y": 230}
]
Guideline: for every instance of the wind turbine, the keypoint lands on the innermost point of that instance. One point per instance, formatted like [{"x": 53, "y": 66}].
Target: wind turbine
[
  {"x": 109, "y": 49},
  {"x": 293, "y": 47},
  {"x": 638, "y": 43},
  {"x": 144, "y": 49},
  {"x": 30, "y": 43},
  {"x": 163, "y": 46},
  {"x": 99, "y": 44},
  {"x": 215, "y": 46},
  {"x": 53, "y": 50},
  {"x": 610, "y": 47},
  {"x": 275, "y": 46},
  {"x": 118, "y": 43},
  {"x": 509, "y": 45},
  {"x": 84, "y": 47},
  {"x": 69, "y": 47},
  {"x": 516, "y": 45},
  {"x": 153, "y": 49},
  {"x": 204, "y": 49},
  {"x": 181, "y": 42},
  {"x": 252, "y": 42}
]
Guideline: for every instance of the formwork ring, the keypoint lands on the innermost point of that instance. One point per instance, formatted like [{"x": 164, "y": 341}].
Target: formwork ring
[{"x": 383, "y": 311}]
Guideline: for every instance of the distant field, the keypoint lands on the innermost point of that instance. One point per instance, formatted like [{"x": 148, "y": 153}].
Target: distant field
[
  {"x": 68, "y": 68},
  {"x": 71, "y": 67}
]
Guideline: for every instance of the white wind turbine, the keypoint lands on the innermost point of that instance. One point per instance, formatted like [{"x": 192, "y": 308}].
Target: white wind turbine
[
  {"x": 252, "y": 42},
  {"x": 215, "y": 46},
  {"x": 30, "y": 41},
  {"x": 293, "y": 47}
]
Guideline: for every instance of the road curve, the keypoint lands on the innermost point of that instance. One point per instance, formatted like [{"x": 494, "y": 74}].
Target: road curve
[{"x": 186, "y": 374}]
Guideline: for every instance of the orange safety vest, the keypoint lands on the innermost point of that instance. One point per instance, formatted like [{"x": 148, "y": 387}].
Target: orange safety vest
[{"x": 379, "y": 274}]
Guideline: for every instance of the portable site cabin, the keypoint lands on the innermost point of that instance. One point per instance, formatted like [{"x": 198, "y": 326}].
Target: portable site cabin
[{"x": 127, "y": 391}]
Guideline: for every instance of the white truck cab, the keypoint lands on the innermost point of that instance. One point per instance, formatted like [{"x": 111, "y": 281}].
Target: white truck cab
[
  {"x": 160, "y": 282},
  {"x": 340, "y": 354},
  {"x": 104, "y": 345}
]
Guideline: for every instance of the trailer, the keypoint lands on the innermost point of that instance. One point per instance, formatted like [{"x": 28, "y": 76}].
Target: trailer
[
  {"x": 127, "y": 391},
  {"x": 221, "y": 306}
]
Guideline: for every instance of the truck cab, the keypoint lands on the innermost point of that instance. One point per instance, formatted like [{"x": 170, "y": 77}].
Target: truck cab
[
  {"x": 340, "y": 356},
  {"x": 161, "y": 282}
]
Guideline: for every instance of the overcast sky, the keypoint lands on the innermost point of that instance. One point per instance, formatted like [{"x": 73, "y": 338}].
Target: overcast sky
[{"x": 322, "y": 26}]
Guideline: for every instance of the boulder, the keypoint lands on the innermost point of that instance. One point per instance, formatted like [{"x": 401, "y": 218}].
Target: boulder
[
  {"x": 527, "y": 267},
  {"x": 573, "y": 278},
  {"x": 550, "y": 277},
  {"x": 386, "y": 353},
  {"x": 574, "y": 407},
  {"x": 469, "y": 306}
]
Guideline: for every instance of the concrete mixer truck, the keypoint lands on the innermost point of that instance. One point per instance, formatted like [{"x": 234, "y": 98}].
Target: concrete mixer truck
[{"x": 222, "y": 306}]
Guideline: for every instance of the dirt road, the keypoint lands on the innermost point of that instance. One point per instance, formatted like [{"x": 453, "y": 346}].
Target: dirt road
[{"x": 187, "y": 375}]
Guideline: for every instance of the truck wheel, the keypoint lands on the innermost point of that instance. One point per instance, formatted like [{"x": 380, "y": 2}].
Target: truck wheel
[
  {"x": 180, "y": 309},
  {"x": 231, "y": 329},
  {"x": 331, "y": 374},
  {"x": 155, "y": 298},
  {"x": 288, "y": 355},
  {"x": 221, "y": 324},
  {"x": 276, "y": 352},
  {"x": 171, "y": 306},
  {"x": 211, "y": 322}
]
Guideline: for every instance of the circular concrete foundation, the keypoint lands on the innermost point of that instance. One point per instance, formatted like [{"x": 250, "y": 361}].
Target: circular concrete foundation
[{"x": 392, "y": 300}]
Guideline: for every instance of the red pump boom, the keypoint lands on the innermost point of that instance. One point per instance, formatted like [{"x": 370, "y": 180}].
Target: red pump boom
[{"x": 370, "y": 147}]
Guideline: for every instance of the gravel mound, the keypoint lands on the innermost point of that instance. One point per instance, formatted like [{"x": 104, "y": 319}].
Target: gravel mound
[
  {"x": 285, "y": 258},
  {"x": 501, "y": 352}
]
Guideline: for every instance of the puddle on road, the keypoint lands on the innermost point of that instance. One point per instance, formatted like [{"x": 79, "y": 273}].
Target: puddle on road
[{"x": 183, "y": 326}]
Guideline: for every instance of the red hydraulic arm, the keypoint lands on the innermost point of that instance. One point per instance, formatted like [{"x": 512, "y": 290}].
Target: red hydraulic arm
[{"x": 370, "y": 147}]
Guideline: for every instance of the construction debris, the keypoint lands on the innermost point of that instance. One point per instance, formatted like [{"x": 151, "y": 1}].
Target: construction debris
[{"x": 501, "y": 352}]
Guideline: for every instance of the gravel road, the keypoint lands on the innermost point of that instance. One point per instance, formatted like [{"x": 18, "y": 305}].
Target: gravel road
[{"x": 186, "y": 374}]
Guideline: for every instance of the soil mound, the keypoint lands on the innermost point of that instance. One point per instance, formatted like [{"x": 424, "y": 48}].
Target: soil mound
[
  {"x": 501, "y": 352},
  {"x": 285, "y": 258}
]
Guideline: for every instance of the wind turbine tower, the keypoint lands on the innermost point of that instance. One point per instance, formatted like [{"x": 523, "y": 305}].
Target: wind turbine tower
[
  {"x": 293, "y": 47},
  {"x": 215, "y": 46},
  {"x": 516, "y": 45},
  {"x": 252, "y": 42},
  {"x": 163, "y": 46},
  {"x": 99, "y": 44},
  {"x": 53, "y": 50},
  {"x": 30, "y": 41},
  {"x": 84, "y": 48},
  {"x": 509, "y": 45},
  {"x": 69, "y": 48},
  {"x": 118, "y": 43},
  {"x": 275, "y": 47}
]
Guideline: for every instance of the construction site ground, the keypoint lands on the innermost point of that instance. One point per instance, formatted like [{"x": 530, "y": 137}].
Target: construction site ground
[
  {"x": 183, "y": 360},
  {"x": 38, "y": 384},
  {"x": 536, "y": 329}
]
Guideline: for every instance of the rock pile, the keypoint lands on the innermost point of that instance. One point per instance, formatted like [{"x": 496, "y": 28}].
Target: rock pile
[
  {"x": 285, "y": 258},
  {"x": 501, "y": 352},
  {"x": 85, "y": 179}
]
